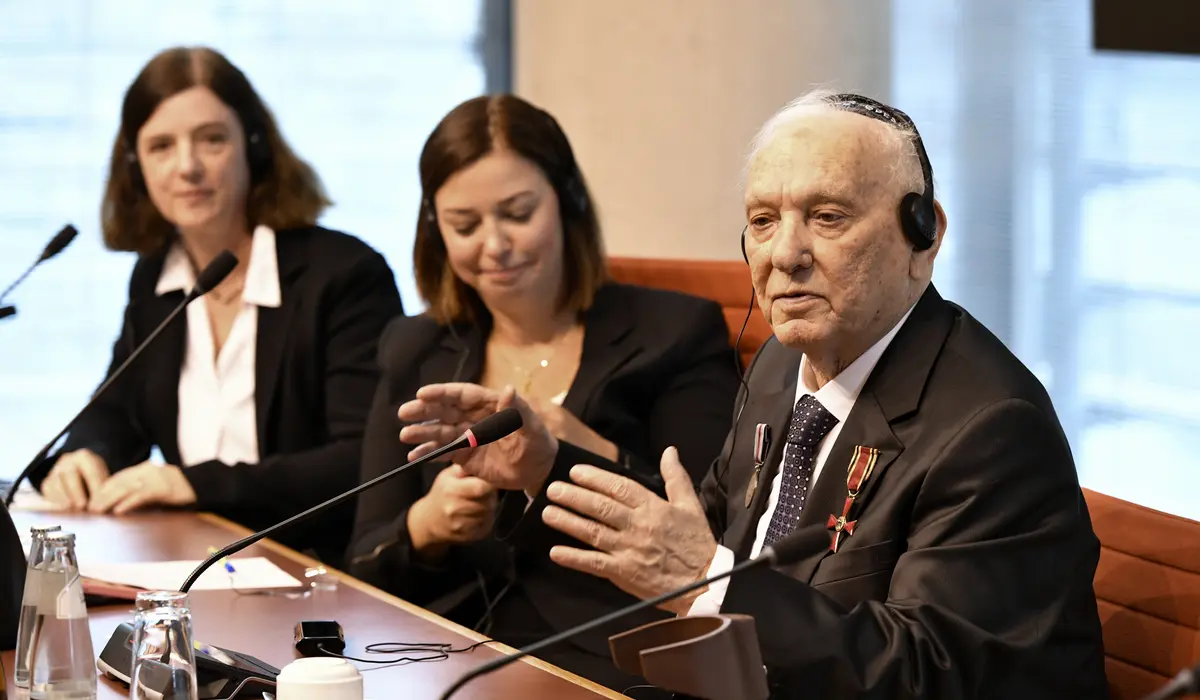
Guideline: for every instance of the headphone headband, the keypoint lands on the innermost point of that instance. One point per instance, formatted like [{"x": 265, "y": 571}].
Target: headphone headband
[
  {"x": 918, "y": 217},
  {"x": 865, "y": 106}
]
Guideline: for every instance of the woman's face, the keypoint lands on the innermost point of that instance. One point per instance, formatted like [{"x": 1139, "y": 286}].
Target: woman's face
[
  {"x": 192, "y": 153},
  {"x": 500, "y": 221}
]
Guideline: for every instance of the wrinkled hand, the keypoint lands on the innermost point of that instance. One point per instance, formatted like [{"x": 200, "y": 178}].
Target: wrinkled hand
[
  {"x": 441, "y": 412},
  {"x": 75, "y": 477},
  {"x": 458, "y": 508},
  {"x": 142, "y": 485},
  {"x": 646, "y": 546},
  {"x": 565, "y": 426}
]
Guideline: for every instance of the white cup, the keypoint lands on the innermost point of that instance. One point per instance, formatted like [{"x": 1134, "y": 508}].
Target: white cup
[{"x": 319, "y": 678}]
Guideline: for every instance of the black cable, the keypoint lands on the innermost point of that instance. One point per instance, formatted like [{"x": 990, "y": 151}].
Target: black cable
[
  {"x": 491, "y": 606},
  {"x": 374, "y": 648},
  {"x": 737, "y": 419},
  {"x": 438, "y": 651},
  {"x": 437, "y": 656}
]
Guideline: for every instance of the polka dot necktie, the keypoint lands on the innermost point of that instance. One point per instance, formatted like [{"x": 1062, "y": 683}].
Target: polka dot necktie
[{"x": 810, "y": 424}]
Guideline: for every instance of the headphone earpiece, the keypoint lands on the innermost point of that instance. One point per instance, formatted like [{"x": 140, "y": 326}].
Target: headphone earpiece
[
  {"x": 918, "y": 220},
  {"x": 576, "y": 193},
  {"x": 744, "y": 255},
  {"x": 258, "y": 155},
  {"x": 428, "y": 213},
  {"x": 135, "y": 170},
  {"x": 918, "y": 213}
]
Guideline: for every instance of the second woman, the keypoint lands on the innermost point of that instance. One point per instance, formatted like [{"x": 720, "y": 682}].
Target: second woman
[{"x": 509, "y": 257}]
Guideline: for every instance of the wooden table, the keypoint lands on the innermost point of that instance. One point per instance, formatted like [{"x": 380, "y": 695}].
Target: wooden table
[{"x": 262, "y": 625}]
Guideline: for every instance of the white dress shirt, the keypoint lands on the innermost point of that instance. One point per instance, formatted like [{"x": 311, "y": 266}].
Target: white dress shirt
[
  {"x": 217, "y": 416},
  {"x": 838, "y": 397}
]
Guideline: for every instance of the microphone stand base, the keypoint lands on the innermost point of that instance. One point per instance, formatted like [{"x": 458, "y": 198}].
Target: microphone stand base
[
  {"x": 220, "y": 673},
  {"x": 707, "y": 657}
]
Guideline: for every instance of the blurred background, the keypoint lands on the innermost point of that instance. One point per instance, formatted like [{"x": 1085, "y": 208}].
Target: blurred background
[{"x": 1070, "y": 171}]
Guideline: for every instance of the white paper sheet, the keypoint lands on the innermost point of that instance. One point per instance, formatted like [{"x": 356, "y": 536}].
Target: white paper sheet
[
  {"x": 250, "y": 573},
  {"x": 29, "y": 500}
]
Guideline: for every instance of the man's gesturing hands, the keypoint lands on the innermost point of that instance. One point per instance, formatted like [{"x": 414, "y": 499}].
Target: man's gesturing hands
[{"x": 643, "y": 544}]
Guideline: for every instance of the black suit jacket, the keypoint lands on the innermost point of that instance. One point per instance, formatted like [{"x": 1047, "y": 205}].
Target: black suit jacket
[
  {"x": 969, "y": 572},
  {"x": 656, "y": 370},
  {"x": 314, "y": 377},
  {"x": 13, "y": 561}
]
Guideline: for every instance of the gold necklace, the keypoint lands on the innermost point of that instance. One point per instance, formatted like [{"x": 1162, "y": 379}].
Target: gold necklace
[{"x": 541, "y": 364}]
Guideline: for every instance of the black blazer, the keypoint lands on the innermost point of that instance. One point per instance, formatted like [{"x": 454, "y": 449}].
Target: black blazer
[
  {"x": 13, "y": 560},
  {"x": 969, "y": 572},
  {"x": 314, "y": 377},
  {"x": 656, "y": 370}
]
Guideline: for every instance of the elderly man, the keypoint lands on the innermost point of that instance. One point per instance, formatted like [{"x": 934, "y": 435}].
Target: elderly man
[{"x": 960, "y": 554}]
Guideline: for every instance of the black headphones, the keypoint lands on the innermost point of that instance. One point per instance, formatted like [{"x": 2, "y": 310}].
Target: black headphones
[
  {"x": 258, "y": 156},
  {"x": 918, "y": 216}
]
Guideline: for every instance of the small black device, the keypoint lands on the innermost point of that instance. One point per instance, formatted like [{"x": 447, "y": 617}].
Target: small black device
[
  {"x": 319, "y": 638},
  {"x": 220, "y": 673}
]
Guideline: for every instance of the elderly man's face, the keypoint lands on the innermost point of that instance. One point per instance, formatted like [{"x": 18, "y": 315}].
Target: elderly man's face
[{"x": 831, "y": 268}]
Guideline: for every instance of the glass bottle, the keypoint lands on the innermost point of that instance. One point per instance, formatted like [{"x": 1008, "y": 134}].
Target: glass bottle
[
  {"x": 62, "y": 664},
  {"x": 164, "y": 660},
  {"x": 28, "y": 620}
]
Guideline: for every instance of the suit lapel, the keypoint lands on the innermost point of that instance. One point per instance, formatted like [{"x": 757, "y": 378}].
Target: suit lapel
[
  {"x": 607, "y": 346},
  {"x": 274, "y": 329},
  {"x": 775, "y": 410},
  {"x": 459, "y": 357},
  {"x": 892, "y": 392},
  {"x": 163, "y": 365}
]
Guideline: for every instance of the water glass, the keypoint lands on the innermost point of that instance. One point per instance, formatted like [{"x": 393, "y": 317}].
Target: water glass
[{"x": 164, "y": 660}]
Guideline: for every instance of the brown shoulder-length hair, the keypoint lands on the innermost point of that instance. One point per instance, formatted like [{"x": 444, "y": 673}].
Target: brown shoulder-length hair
[
  {"x": 285, "y": 191},
  {"x": 469, "y": 132}
]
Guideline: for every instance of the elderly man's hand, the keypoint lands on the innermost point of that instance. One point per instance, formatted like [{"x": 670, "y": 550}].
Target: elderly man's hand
[
  {"x": 442, "y": 412},
  {"x": 644, "y": 545}
]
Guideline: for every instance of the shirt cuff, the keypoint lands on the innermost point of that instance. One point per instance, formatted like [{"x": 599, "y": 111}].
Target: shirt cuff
[{"x": 710, "y": 601}]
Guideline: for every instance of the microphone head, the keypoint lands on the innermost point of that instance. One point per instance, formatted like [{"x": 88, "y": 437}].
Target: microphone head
[
  {"x": 802, "y": 543},
  {"x": 214, "y": 273},
  {"x": 61, "y": 240},
  {"x": 494, "y": 427}
]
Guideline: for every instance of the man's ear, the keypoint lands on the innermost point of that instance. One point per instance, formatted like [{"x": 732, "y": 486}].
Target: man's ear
[{"x": 920, "y": 266}]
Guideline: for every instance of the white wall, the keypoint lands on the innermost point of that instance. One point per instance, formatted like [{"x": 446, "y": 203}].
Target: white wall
[{"x": 661, "y": 97}]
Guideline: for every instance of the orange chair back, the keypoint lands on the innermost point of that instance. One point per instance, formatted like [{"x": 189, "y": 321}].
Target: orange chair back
[{"x": 725, "y": 282}]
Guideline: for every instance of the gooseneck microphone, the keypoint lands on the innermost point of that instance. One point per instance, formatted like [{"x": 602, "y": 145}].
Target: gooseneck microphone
[
  {"x": 787, "y": 551},
  {"x": 1185, "y": 682},
  {"x": 61, "y": 240},
  {"x": 488, "y": 430},
  {"x": 212, "y": 275}
]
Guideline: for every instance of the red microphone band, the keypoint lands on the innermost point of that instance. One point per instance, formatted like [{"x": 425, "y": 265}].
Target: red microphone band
[{"x": 471, "y": 438}]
